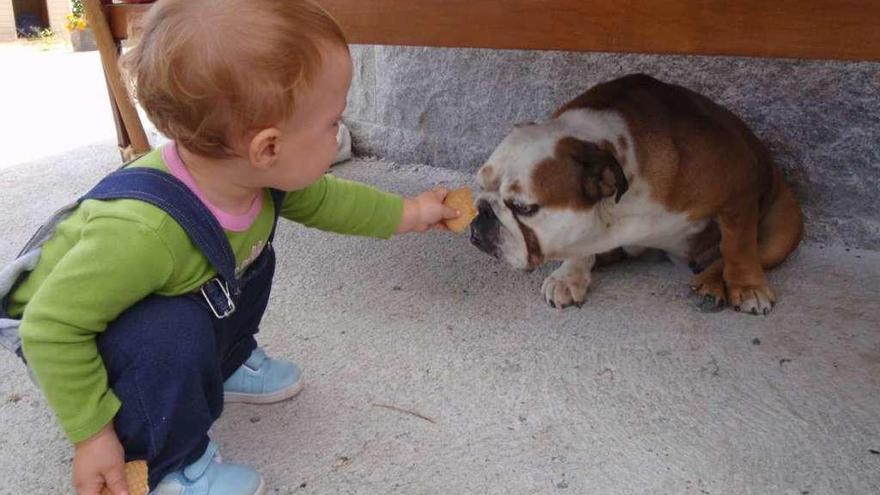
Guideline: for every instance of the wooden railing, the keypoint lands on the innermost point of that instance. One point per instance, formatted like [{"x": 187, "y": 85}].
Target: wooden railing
[{"x": 815, "y": 29}]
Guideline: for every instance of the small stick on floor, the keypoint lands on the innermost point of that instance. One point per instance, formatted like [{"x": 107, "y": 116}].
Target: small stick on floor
[{"x": 405, "y": 411}]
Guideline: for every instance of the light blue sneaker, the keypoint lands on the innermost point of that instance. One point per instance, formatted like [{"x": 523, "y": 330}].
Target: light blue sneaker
[
  {"x": 208, "y": 476},
  {"x": 263, "y": 380}
]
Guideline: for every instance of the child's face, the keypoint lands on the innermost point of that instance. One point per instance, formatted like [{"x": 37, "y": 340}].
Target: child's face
[{"x": 308, "y": 138}]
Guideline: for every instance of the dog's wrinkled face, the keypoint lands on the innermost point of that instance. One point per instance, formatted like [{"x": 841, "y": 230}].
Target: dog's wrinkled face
[{"x": 540, "y": 192}]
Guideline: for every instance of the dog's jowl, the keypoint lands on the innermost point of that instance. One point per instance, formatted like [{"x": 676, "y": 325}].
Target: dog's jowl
[{"x": 636, "y": 164}]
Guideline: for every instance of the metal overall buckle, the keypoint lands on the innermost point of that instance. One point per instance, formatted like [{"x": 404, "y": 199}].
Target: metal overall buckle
[{"x": 224, "y": 288}]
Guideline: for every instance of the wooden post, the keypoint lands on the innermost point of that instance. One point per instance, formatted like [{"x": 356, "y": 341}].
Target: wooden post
[{"x": 110, "y": 59}]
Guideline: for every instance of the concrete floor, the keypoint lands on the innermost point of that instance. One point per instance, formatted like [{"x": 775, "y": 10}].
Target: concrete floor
[{"x": 433, "y": 369}]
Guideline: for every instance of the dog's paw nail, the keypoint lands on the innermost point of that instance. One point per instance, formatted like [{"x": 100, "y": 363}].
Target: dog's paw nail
[
  {"x": 755, "y": 311},
  {"x": 766, "y": 311},
  {"x": 552, "y": 304}
]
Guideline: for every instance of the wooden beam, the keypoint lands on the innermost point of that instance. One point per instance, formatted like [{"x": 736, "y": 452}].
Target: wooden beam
[
  {"x": 821, "y": 29},
  {"x": 817, "y": 29}
]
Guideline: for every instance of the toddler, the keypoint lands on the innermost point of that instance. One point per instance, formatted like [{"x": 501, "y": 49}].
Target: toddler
[{"x": 138, "y": 316}]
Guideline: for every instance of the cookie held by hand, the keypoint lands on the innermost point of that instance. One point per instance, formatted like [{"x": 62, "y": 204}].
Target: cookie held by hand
[
  {"x": 136, "y": 476},
  {"x": 463, "y": 201}
]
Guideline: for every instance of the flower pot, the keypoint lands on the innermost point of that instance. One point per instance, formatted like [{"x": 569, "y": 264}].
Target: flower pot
[{"x": 83, "y": 41}]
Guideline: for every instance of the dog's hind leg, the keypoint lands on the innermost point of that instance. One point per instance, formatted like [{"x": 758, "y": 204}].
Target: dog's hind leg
[
  {"x": 778, "y": 234},
  {"x": 708, "y": 286},
  {"x": 781, "y": 229},
  {"x": 747, "y": 288}
]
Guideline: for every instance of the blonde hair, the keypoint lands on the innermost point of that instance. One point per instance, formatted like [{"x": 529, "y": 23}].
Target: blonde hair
[{"x": 209, "y": 71}]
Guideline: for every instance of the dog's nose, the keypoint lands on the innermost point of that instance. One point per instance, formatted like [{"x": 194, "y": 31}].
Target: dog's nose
[
  {"x": 476, "y": 238},
  {"x": 485, "y": 213},
  {"x": 484, "y": 229}
]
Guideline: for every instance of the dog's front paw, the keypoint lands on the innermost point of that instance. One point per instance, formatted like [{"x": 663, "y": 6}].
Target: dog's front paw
[
  {"x": 567, "y": 286},
  {"x": 754, "y": 299}
]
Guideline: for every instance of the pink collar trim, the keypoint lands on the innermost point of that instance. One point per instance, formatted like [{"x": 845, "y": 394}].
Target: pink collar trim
[{"x": 229, "y": 221}]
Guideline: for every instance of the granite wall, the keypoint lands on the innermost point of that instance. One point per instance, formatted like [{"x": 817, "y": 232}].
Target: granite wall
[{"x": 450, "y": 107}]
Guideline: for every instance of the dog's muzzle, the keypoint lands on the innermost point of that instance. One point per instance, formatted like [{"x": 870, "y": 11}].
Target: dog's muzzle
[{"x": 486, "y": 229}]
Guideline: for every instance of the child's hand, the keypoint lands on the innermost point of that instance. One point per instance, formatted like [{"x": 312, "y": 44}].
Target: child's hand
[
  {"x": 426, "y": 211},
  {"x": 100, "y": 461}
]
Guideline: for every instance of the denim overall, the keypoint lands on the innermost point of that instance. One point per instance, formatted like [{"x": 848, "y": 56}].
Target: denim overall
[{"x": 168, "y": 357}]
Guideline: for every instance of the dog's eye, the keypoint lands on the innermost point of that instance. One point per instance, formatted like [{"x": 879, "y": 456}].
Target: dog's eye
[{"x": 522, "y": 210}]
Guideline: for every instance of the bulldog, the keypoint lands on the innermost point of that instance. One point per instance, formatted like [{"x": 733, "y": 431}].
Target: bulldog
[{"x": 636, "y": 164}]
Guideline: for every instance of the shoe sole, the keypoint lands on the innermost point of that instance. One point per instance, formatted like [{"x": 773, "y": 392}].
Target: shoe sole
[
  {"x": 280, "y": 395},
  {"x": 262, "y": 488}
]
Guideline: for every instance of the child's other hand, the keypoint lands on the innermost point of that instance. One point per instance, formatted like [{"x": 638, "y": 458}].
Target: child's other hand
[
  {"x": 426, "y": 211},
  {"x": 100, "y": 461}
]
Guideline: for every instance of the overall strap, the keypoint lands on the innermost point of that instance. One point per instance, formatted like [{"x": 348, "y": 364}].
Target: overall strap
[
  {"x": 168, "y": 193},
  {"x": 278, "y": 200}
]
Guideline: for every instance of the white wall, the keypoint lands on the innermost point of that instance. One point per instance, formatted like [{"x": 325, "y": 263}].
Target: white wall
[
  {"x": 58, "y": 10},
  {"x": 7, "y": 21}
]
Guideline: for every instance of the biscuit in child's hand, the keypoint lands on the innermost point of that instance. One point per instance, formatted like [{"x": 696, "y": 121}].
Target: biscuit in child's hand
[
  {"x": 463, "y": 201},
  {"x": 136, "y": 476}
]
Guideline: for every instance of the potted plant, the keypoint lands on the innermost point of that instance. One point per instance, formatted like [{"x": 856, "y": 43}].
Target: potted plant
[{"x": 81, "y": 36}]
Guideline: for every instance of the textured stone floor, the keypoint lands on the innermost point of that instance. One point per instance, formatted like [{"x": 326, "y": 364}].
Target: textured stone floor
[{"x": 433, "y": 369}]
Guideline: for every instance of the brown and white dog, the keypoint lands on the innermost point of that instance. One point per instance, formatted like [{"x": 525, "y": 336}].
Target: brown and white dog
[{"x": 636, "y": 164}]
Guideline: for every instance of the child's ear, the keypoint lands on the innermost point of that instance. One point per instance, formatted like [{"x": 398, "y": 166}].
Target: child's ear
[{"x": 263, "y": 150}]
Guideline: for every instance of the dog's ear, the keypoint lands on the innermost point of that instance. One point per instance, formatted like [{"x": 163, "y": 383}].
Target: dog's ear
[{"x": 602, "y": 174}]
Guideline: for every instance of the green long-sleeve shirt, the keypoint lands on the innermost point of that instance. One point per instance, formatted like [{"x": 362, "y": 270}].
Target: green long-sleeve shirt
[{"x": 108, "y": 255}]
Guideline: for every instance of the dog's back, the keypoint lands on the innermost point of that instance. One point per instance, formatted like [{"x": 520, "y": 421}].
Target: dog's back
[{"x": 701, "y": 158}]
